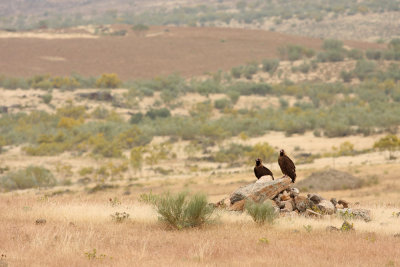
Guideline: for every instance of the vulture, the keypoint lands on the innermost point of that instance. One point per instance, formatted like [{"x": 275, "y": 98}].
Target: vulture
[
  {"x": 260, "y": 170},
  {"x": 287, "y": 165}
]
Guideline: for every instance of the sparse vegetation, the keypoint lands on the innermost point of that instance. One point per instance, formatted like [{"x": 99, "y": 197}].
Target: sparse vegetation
[
  {"x": 261, "y": 212},
  {"x": 179, "y": 212},
  {"x": 30, "y": 177}
]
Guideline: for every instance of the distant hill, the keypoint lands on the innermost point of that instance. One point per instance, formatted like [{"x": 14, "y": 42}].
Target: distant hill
[{"x": 360, "y": 20}]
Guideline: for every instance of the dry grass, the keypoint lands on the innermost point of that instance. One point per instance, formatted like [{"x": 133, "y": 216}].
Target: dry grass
[
  {"x": 73, "y": 229},
  {"x": 78, "y": 223}
]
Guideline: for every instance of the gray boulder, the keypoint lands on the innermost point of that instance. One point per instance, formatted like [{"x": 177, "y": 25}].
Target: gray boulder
[
  {"x": 316, "y": 199},
  {"x": 302, "y": 203},
  {"x": 360, "y": 214},
  {"x": 326, "y": 207},
  {"x": 259, "y": 192}
]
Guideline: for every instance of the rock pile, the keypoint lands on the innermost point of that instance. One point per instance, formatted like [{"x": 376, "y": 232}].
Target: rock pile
[{"x": 287, "y": 200}]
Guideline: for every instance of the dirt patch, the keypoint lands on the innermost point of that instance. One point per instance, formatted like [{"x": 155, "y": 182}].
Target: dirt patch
[
  {"x": 185, "y": 50},
  {"x": 328, "y": 180}
]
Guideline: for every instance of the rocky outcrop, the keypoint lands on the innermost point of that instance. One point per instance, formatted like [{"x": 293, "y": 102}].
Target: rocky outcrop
[
  {"x": 259, "y": 192},
  {"x": 288, "y": 201}
]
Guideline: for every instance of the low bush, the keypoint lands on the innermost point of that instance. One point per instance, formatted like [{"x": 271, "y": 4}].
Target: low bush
[
  {"x": 364, "y": 69},
  {"x": 249, "y": 70},
  {"x": 270, "y": 65},
  {"x": 47, "y": 98},
  {"x": 374, "y": 54},
  {"x": 155, "y": 113},
  {"x": 237, "y": 72},
  {"x": 261, "y": 212},
  {"x": 108, "y": 80},
  {"x": 222, "y": 103},
  {"x": 30, "y": 177},
  {"x": 355, "y": 54},
  {"x": 332, "y": 44},
  {"x": 346, "y": 76},
  {"x": 178, "y": 211}
]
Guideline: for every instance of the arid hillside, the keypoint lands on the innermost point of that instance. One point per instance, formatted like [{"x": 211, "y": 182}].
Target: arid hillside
[{"x": 159, "y": 51}]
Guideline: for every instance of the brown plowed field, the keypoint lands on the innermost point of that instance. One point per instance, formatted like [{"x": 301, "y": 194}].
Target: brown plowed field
[{"x": 164, "y": 50}]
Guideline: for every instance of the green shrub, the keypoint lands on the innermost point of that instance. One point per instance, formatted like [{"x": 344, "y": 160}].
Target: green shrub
[
  {"x": 232, "y": 153},
  {"x": 47, "y": 98},
  {"x": 364, "y": 69},
  {"x": 136, "y": 118},
  {"x": 261, "y": 212},
  {"x": 237, "y": 72},
  {"x": 222, "y": 103},
  {"x": 263, "y": 151},
  {"x": 100, "y": 113},
  {"x": 394, "y": 44},
  {"x": 390, "y": 142},
  {"x": 250, "y": 70},
  {"x": 14, "y": 83},
  {"x": 294, "y": 52},
  {"x": 140, "y": 27},
  {"x": 65, "y": 82},
  {"x": 374, "y": 54},
  {"x": 31, "y": 177},
  {"x": 108, "y": 80},
  {"x": 332, "y": 44},
  {"x": 355, "y": 54},
  {"x": 71, "y": 111},
  {"x": 346, "y": 76},
  {"x": 304, "y": 67},
  {"x": 155, "y": 113},
  {"x": 270, "y": 65},
  {"x": 179, "y": 212},
  {"x": 330, "y": 56}
]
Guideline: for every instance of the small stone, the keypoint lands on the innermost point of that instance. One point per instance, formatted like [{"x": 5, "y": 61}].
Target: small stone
[
  {"x": 238, "y": 206},
  {"x": 362, "y": 214},
  {"x": 301, "y": 203},
  {"x": 397, "y": 235},
  {"x": 281, "y": 205},
  {"x": 285, "y": 197},
  {"x": 223, "y": 203},
  {"x": 316, "y": 199},
  {"x": 326, "y": 207},
  {"x": 294, "y": 192},
  {"x": 332, "y": 229},
  {"x": 344, "y": 203},
  {"x": 40, "y": 221},
  {"x": 289, "y": 205},
  {"x": 334, "y": 201}
]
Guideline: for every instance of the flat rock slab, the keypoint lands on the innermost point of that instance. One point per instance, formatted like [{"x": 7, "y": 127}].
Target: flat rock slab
[{"x": 260, "y": 191}]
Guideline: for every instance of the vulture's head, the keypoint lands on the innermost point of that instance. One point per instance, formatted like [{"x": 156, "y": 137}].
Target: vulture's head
[
  {"x": 258, "y": 162},
  {"x": 282, "y": 152}
]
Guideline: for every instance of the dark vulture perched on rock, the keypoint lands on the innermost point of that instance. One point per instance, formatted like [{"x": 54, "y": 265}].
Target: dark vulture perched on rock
[
  {"x": 287, "y": 165},
  {"x": 260, "y": 170}
]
